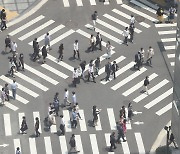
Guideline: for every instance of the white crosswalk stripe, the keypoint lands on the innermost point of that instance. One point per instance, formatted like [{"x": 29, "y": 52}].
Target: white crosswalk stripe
[
  {"x": 125, "y": 147},
  {"x": 79, "y": 144},
  {"x": 20, "y": 116},
  {"x": 164, "y": 109},
  {"x": 36, "y": 30},
  {"x": 66, "y": 3},
  {"x": 107, "y": 138},
  {"x": 82, "y": 121},
  {"x": 79, "y": 2},
  {"x": 168, "y": 40},
  {"x": 32, "y": 145},
  {"x": 172, "y": 63},
  {"x": 30, "y": 23},
  {"x": 37, "y": 115},
  {"x": 94, "y": 145},
  {"x": 140, "y": 144},
  {"x": 17, "y": 143},
  {"x": 167, "y": 32},
  {"x": 48, "y": 146},
  {"x": 170, "y": 47},
  {"x": 67, "y": 121},
  {"x": 171, "y": 55},
  {"x": 7, "y": 124},
  {"x": 63, "y": 145},
  {"x": 111, "y": 117},
  {"x": 93, "y": 2},
  {"x": 166, "y": 25}
]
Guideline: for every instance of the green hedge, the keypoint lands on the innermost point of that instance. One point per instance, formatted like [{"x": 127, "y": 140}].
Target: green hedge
[{"x": 162, "y": 150}]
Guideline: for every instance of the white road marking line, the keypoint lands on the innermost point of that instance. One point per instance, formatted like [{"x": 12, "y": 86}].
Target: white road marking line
[
  {"x": 33, "y": 82},
  {"x": 109, "y": 26},
  {"x": 20, "y": 117},
  {"x": 167, "y": 32},
  {"x": 55, "y": 71},
  {"x": 128, "y": 79},
  {"x": 88, "y": 36},
  {"x": 51, "y": 32},
  {"x": 48, "y": 147},
  {"x": 79, "y": 2},
  {"x": 140, "y": 144},
  {"x": 79, "y": 144},
  {"x": 164, "y": 109},
  {"x": 94, "y": 144},
  {"x": 98, "y": 127},
  {"x": 41, "y": 75},
  {"x": 151, "y": 91},
  {"x": 106, "y": 34},
  {"x": 125, "y": 147},
  {"x": 120, "y": 22},
  {"x": 32, "y": 145},
  {"x": 172, "y": 63},
  {"x": 64, "y": 35},
  {"x": 82, "y": 122},
  {"x": 106, "y": 2},
  {"x": 138, "y": 85},
  {"x": 17, "y": 143},
  {"x": 67, "y": 121},
  {"x": 159, "y": 98},
  {"x": 26, "y": 25},
  {"x": 168, "y": 39},
  {"x": 7, "y": 124},
  {"x": 170, "y": 47},
  {"x": 171, "y": 55},
  {"x": 119, "y": 1},
  {"x": 166, "y": 25},
  {"x": 120, "y": 71},
  {"x": 36, "y": 30},
  {"x": 112, "y": 119},
  {"x": 93, "y": 2},
  {"x": 53, "y": 128},
  {"x": 66, "y": 3},
  {"x": 107, "y": 138},
  {"x": 63, "y": 145},
  {"x": 138, "y": 12},
  {"x": 20, "y": 87},
  {"x": 129, "y": 17},
  {"x": 36, "y": 114}
]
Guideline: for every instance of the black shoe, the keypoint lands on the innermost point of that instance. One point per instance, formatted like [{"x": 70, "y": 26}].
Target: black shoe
[{"x": 124, "y": 140}]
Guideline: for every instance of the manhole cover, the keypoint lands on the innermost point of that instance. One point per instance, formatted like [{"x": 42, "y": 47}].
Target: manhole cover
[
  {"x": 139, "y": 18},
  {"x": 71, "y": 24}
]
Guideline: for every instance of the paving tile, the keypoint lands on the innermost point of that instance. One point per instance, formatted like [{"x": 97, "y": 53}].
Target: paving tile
[
  {"x": 22, "y": 6},
  {"x": 9, "y": 1},
  {"x": 10, "y": 6}
]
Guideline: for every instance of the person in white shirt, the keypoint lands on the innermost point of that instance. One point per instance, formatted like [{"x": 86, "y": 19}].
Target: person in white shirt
[
  {"x": 47, "y": 41},
  {"x": 109, "y": 49},
  {"x": 77, "y": 110},
  {"x": 51, "y": 119},
  {"x": 76, "y": 50},
  {"x": 75, "y": 77},
  {"x": 13, "y": 47},
  {"x": 91, "y": 71},
  {"x": 14, "y": 88},
  {"x": 3, "y": 96},
  {"x": 79, "y": 70},
  {"x": 132, "y": 20},
  {"x": 92, "y": 42},
  {"x": 126, "y": 34},
  {"x": 150, "y": 54},
  {"x": 142, "y": 55},
  {"x": 62, "y": 125},
  {"x": 74, "y": 101},
  {"x": 66, "y": 96}
]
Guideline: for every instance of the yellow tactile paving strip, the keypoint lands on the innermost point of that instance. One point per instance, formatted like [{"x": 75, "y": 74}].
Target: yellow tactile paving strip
[{"x": 10, "y": 14}]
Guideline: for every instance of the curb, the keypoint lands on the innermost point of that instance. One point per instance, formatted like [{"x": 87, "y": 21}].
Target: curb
[
  {"x": 159, "y": 140},
  {"x": 29, "y": 13}
]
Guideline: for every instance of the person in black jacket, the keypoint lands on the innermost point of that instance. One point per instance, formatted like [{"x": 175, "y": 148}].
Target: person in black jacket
[
  {"x": 94, "y": 18},
  {"x": 7, "y": 43},
  {"x": 21, "y": 61},
  {"x": 3, "y": 20},
  {"x": 108, "y": 70},
  {"x": 44, "y": 54},
  {"x": 160, "y": 13},
  {"x": 112, "y": 142},
  {"x": 99, "y": 40},
  {"x": 83, "y": 66},
  {"x": 72, "y": 143},
  {"x": 114, "y": 68},
  {"x": 146, "y": 83},
  {"x": 61, "y": 48},
  {"x": 24, "y": 126},
  {"x": 37, "y": 133},
  {"x": 36, "y": 49}
]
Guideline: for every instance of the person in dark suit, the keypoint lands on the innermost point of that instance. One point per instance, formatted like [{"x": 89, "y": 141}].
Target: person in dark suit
[
  {"x": 112, "y": 142},
  {"x": 108, "y": 70},
  {"x": 61, "y": 48},
  {"x": 34, "y": 46},
  {"x": 114, "y": 68},
  {"x": 44, "y": 54},
  {"x": 98, "y": 41},
  {"x": 37, "y": 133}
]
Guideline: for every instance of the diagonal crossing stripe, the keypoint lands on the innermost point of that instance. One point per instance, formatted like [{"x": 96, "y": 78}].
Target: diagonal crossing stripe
[
  {"x": 128, "y": 79},
  {"x": 36, "y": 30},
  {"x": 171, "y": 55},
  {"x": 94, "y": 145},
  {"x": 93, "y": 2},
  {"x": 170, "y": 47},
  {"x": 7, "y": 124},
  {"x": 168, "y": 40},
  {"x": 167, "y": 32},
  {"x": 63, "y": 144},
  {"x": 79, "y": 2},
  {"x": 66, "y": 3},
  {"x": 166, "y": 25},
  {"x": 32, "y": 145},
  {"x": 26, "y": 25},
  {"x": 164, "y": 109},
  {"x": 48, "y": 147},
  {"x": 140, "y": 144}
]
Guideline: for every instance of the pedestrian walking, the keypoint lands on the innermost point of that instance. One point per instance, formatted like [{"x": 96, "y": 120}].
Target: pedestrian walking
[
  {"x": 47, "y": 41},
  {"x": 12, "y": 67},
  {"x": 61, "y": 48},
  {"x": 44, "y": 54},
  {"x": 160, "y": 13},
  {"x": 66, "y": 98},
  {"x": 99, "y": 40},
  {"x": 15, "y": 60},
  {"x": 137, "y": 61},
  {"x": 62, "y": 125},
  {"x": 77, "y": 111},
  {"x": 150, "y": 54},
  {"x": 3, "y": 19},
  {"x": 172, "y": 12},
  {"x": 112, "y": 142},
  {"x": 145, "y": 85},
  {"x": 3, "y": 96},
  {"x": 72, "y": 144},
  {"x": 34, "y": 46},
  {"x": 132, "y": 20},
  {"x": 120, "y": 132},
  {"x": 7, "y": 43},
  {"x": 75, "y": 77},
  {"x": 131, "y": 32},
  {"x": 37, "y": 133},
  {"x": 94, "y": 18},
  {"x": 24, "y": 126},
  {"x": 14, "y": 47},
  {"x": 92, "y": 42},
  {"x": 6, "y": 90},
  {"x": 97, "y": 66},
  {"x": 51, "y": 119},
  {"x": 108, "y": 49},
  {"x": 36, "y": 54},
  {"x": 96, "y": 112},
  {"x": 14, "y": 89},
  {"x": 21, "y": 61},
  {"x": 114, "y": 68},
  {"x": 76, "y": 50},
  {"x": 130, "y": 112},
  {"x": 74, "y": 99},
  {"x": 83, "y": 66},
  {"x": 18, "y": 150},
  {"x": 172, "y": 140},
  {"x": 141, "y": 51},
  {"x": 122, "y": 112},
  {"x": 56, "y": 103},
  {"x": 74, "y": 118},
  {"x": 79, "y": 71},
  {"x": 91, "y": 71},
  {"x": 126, "y": 34},
  {"x": 108, "y": 71}
]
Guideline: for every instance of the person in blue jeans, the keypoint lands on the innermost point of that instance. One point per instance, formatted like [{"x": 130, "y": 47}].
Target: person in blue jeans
[{"x": 14, "y": 88}]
